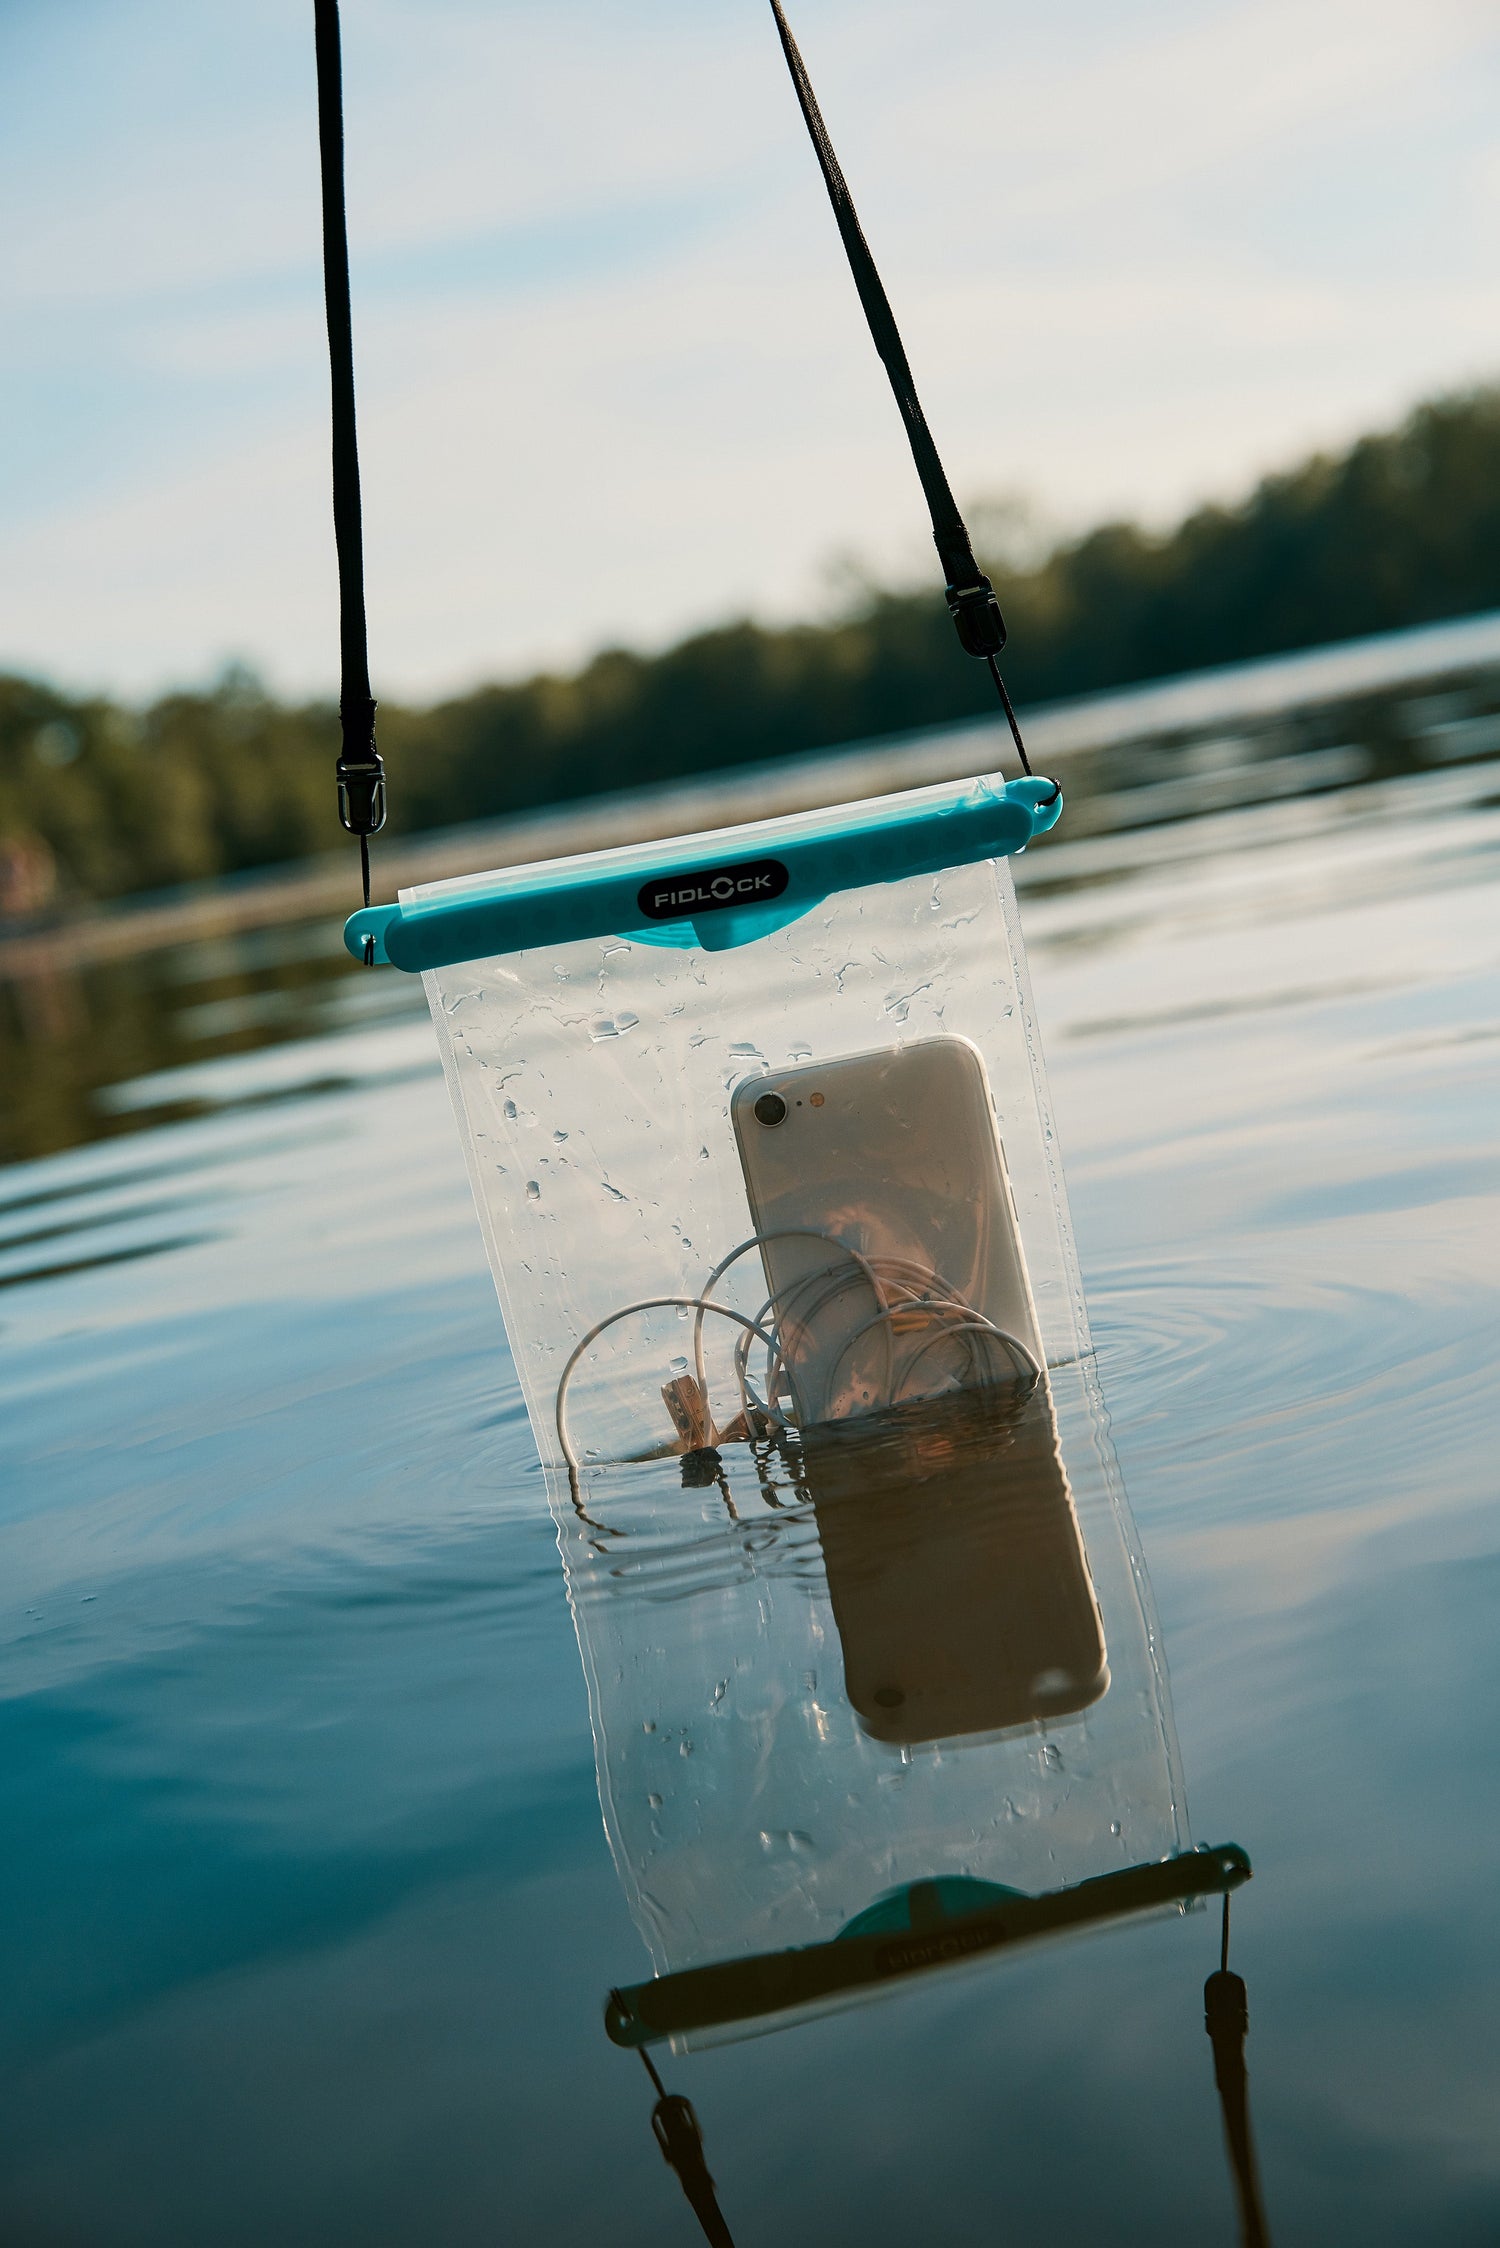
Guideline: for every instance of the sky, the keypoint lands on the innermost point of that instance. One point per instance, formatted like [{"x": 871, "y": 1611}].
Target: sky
[{"x": 614, "y": 382}]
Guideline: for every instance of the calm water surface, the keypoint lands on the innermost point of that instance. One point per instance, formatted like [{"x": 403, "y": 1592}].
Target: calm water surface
[{"x": 308, "y": 1913}]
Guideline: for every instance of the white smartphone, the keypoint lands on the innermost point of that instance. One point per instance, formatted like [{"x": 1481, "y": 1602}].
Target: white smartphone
[{"x": 877, "y": 1177}]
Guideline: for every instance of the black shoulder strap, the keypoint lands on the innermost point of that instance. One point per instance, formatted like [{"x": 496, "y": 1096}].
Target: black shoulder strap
[
  {"x": 971, "y": 597},
  {"x": 359, "y": 773}
]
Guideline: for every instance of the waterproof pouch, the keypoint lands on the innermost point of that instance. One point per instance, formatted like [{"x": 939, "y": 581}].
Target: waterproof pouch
[{"x": 759, "y": 1136}]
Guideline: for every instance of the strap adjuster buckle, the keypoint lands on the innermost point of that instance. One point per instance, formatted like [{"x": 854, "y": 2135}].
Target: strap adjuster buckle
[
  {"x": 361, "y": 786},
  {"x": 976, "y": 614}
]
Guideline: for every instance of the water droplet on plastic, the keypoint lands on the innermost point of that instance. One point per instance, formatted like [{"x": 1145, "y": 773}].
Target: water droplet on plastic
[
  {"x": 561, "y": 1138},
  {"x": 1051, "y": 1757},
  {"x": 685, "y": 1748},
  {"x": 1114, "y": 1826},
  {"x": 679, "y": 1365},
  {"x": 511, "y": 1111},
  {"x": 533, "y": 1191},
  {"x": 648, "y": 1725},
  {"x": 720, "y": 1691},
  {"x": 654, "y": 1801}
]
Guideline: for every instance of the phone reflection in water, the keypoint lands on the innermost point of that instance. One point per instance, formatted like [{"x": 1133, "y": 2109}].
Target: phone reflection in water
[
  {"x": 956, "y": 1570},
  {"x": 860, "y": 1686}
]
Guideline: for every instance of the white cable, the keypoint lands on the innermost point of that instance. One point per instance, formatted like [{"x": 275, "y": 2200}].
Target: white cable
[
  {"x": 775, "y": 1358},
  {"x": 628, "y": 1311},
  {"x": 886, "y": 1320},
  {"x": 884, "y": 1276},
  {"x": 987, "y": 1327},
  {"x": 966, "y": 1321},
  {"x": 779, "y": 1362},
  {"x": 756, "y": 1241}
]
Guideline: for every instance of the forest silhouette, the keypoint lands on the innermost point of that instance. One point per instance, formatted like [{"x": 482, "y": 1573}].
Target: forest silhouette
[{"x": 98, "y": 799}]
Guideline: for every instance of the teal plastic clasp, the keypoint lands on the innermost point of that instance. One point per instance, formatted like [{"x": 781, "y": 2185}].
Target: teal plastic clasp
[{"x": 710, "y": 891}]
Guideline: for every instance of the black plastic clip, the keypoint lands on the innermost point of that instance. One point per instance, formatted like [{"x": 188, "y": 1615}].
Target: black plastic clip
[
  {"x": 976, "y": 614},
  {"x": 360, "y": 773},
  {"x": 361, "y": 797}
]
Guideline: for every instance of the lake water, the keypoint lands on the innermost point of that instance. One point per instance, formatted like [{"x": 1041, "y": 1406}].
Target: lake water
[{"x": 309, "y": 1918}]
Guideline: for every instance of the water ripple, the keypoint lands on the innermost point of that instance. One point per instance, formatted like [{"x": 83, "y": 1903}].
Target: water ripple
[{"x": 1303, "y": 1382}]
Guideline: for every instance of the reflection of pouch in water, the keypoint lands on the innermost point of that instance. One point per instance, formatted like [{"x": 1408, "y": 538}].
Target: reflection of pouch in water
[
  {"x": 756, "y": 1794},
  {"x": 956, "y": 1571}
]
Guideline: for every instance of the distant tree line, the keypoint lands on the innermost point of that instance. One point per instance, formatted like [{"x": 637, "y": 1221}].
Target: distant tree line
[{"x": 1401, "y": 529}]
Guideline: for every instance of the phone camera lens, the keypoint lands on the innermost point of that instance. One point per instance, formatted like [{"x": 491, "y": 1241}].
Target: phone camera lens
[{"x": 770, "y": 1109}]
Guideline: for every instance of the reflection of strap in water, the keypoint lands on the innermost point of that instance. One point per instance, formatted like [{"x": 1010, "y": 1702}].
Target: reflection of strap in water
[
  {"x": 779, "y": 1982},
  {"x": 681, "y": 2142},
  {"x": 1226, "y": 2017}
]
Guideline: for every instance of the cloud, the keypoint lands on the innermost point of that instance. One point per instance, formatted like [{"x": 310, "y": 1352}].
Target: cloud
[{"x": 606, "y": 340}]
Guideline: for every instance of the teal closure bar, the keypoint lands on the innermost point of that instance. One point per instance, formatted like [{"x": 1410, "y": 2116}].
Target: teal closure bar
[
  {"x": 785, "y": 867},
  {"x": 779, "y": 1982}
]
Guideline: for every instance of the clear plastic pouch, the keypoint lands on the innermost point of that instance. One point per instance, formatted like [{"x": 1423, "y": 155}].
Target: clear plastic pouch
[
  {"x": 601, "y": 1090},
  {"x": 759, "y": 1137}
]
